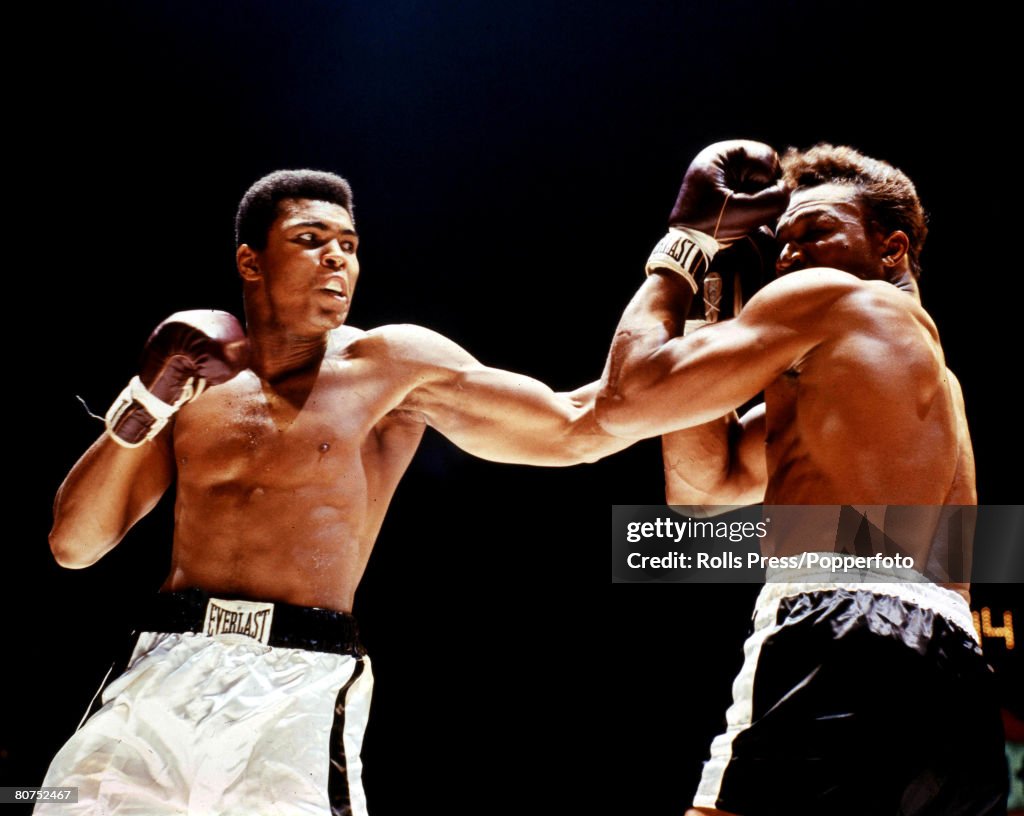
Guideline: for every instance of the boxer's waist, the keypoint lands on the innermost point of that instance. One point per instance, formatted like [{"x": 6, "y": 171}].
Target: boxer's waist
[
  {"x": 269, "y": 622},
  {"x": 906, "y": 584}
]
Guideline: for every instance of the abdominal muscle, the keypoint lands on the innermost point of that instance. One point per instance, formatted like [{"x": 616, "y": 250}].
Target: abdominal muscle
[
  {"x": 282, "y": 512},
  {"x": 298, "y": 546}
]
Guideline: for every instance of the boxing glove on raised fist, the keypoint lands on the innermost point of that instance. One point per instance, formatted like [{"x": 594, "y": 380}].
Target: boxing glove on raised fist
[
  {"x": 730, "y": 189},
  {"x": 186, "y": 353}
]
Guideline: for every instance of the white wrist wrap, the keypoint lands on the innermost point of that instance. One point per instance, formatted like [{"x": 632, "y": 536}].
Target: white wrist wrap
[
  {"x": 680, "y": 250},
  {"x": 135, "y": 393}
]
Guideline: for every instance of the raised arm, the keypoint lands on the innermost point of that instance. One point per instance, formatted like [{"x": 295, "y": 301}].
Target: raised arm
[
  {"x": 729, "y": 191},
  {"x": 495, "y": 414},
  {"x": 655, "y": 383},
  {"x": 125, "y": 472}
]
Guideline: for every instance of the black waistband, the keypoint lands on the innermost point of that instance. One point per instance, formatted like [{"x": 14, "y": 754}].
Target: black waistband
[{"x": 293, "y": 627}]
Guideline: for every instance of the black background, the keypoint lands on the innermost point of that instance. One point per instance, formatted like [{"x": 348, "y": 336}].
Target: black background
[{"x": 512, "y": 166}]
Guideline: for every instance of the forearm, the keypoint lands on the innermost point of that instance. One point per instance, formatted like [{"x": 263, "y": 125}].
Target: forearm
[
  {"x": 538, "y": 427},
  {"x": 497, "y": 415},
  {"x": 697, "y": 462},
  {"x": 580, "y": 440},
  {"x": 515, "y": 419},
  {"x": 721, "y": 462},
  {"x": 586, "y": 440},
  {"x": 654, "y": 316},
  {"x": 105, "y": 493}
]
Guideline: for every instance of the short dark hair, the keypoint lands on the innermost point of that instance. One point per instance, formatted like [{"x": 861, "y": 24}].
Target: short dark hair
[
  {"x": 258, "y": 208},
  {"x": 885, "y": 191}
]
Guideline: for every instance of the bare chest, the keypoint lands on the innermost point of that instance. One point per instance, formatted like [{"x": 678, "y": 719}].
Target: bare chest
[{"x": 248, "y": 426}]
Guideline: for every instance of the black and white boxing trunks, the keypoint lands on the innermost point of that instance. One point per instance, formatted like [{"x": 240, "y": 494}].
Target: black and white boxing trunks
[
  {"x": 228, "y": 707},
  {"x": 868, "y": 697}
]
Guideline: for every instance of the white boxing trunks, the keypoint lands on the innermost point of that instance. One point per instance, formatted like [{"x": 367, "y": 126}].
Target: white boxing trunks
[
  {"x": 226, "y": 707},
  {"x": 866, "y": 696}
]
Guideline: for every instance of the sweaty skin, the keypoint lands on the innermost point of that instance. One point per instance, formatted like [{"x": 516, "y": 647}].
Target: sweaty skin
[
  {"x": 859, "y": 407},
  {"x": 284, "y": 473}
]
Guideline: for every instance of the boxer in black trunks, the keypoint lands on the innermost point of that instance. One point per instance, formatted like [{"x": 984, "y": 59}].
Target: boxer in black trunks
[
  {"x": 286, "y": 442},
  {"x": 859, "y": 409}
]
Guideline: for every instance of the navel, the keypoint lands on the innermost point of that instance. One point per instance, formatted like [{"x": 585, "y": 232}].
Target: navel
[{"x": 324, "y": 447}]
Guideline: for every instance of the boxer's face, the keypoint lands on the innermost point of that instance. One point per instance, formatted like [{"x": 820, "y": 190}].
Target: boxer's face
[
  {"x": 309, "y": 267},
  {"x": 828, "y": 226}
]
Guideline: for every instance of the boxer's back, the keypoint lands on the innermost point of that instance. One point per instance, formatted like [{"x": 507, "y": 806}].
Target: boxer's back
[{"x": 869, "y": 416}]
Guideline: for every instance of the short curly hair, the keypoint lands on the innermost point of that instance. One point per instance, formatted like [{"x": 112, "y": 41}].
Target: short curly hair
[
  {"x": 258, "y": 207},
  {"x": 888, "y": 195}
]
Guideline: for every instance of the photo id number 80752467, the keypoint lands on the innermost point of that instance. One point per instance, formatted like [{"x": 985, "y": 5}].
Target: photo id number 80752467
[{"x": 13, "y": 795}]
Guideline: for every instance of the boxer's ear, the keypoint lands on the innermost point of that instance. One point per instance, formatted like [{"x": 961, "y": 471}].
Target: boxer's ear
[
  {"x": 247, "y": 261},
  {"x": 895, "y": 248}
]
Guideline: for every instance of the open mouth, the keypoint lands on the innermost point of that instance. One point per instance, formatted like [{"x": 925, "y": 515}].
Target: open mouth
[{"x": 335, "y": 288}]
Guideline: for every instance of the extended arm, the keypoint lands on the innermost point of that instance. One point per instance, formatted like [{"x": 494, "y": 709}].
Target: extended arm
[{"x": 495, "y": 414}]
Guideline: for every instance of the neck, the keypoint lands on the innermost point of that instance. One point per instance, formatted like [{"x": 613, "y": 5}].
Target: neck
[
  {"x": 905, "y": 281},
  {"x": 275, "y": 351}
]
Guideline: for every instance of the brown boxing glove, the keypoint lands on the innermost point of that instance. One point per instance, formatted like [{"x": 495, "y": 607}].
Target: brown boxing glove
[
  {"x": 730, "y": 189},
  {"x": 186, "y": 353}
]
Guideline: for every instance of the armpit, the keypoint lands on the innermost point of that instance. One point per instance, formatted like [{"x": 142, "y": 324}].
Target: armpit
[{"x": 406, "y": 413}]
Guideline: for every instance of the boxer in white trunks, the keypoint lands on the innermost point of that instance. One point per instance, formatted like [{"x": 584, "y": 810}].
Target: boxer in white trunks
[{"x": 247, "y": 689}]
